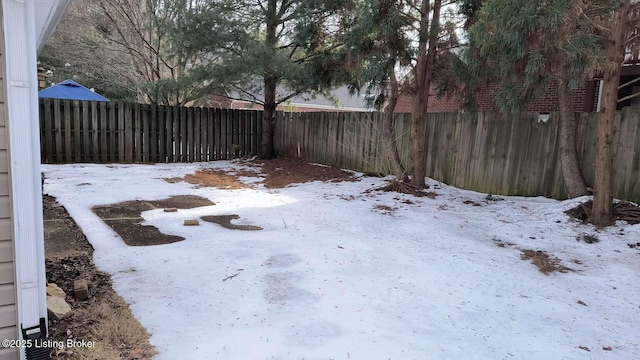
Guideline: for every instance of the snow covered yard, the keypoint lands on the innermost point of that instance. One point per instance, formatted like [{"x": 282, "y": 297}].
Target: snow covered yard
[{"x": 337, "y": 273}]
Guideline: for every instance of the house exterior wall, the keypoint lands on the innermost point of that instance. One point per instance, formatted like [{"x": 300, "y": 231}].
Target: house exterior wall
[
  {"x": 585, "y": 99},
  {"x": 8, "y": 309},
  {"x": 547, "y": 102}
]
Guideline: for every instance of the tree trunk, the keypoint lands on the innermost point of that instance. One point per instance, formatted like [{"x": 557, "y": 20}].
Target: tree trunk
[
  {"x": 572, "y": 175},
  {"x": 390, "y": 129},
  {"x": 614, "y": 55},
  {"x": 267, "y": 150},
  {"x": 423, "y": 73}
]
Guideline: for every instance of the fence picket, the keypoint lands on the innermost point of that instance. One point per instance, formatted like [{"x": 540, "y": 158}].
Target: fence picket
[
  {"x": 101, "y": 132},
  {"x": 47, "y": 139}
]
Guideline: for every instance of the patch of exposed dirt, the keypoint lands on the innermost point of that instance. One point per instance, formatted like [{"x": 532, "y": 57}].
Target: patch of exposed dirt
[
  {"x": 124, "y": 218},
  {"x": 622, "y": 210},
  {"x": 278, "y": 173},
  {"x": 62, "y": 237},
  {"x": 214, "y": 178},
  {"x": 544, "y": 262},
  {"x": 225, "y": 221},
  {"x": 403, "y": 188},
  {"x": 282, "y": 172},
  {"x": 104, "y": 318}
]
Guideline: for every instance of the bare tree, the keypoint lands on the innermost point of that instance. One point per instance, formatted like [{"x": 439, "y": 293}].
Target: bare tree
[
  {"x": 122, "y": 48},
  {"x": 140, "y": 30},
  {"x": 77, "y": 50}
]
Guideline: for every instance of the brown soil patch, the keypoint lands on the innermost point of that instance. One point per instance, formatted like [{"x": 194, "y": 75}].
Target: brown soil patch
[
  {"x": 544, "y": 262},
  {"x": 282, "y": 172},
  {"x": 225, "y": 221},
  {"x": 62, "y": 237},
  {"x": 278, "y": 173},
  {"x": 403, "y": 188},
  {"x": 124, "y": 218},
  {"x": 622, "y": 210},
  {"x": 104, "y": 318},
  {"x": 215, "y": 178}
]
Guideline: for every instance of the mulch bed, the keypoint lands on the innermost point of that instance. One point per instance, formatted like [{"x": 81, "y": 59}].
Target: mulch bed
[
  {"x": 278, "y": 173},
  {"x": 69, "y": 258},
  {"x": 281, "y": 172},
  {"x": 63, "y": 272}
]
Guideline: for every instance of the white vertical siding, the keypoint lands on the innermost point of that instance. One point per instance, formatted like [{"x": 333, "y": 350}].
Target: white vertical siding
[{"x": 8, "y": 311}]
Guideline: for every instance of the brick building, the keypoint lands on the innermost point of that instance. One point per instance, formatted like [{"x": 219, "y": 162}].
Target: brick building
[{"x": 584, "y": 100}]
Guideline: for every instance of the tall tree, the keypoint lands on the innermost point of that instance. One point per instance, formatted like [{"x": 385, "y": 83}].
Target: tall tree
[
  {"x": 423, "y": 74},
  {"x": 521, "y": 44},
  {"x": 377, "y": 44},
  {"x": 619, "y": 32},
  {"x": 408, "y": 38},
  {"x": 263, "y": 51}
]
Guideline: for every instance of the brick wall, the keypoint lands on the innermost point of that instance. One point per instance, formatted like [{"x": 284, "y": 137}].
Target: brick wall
[
  {"x": 436, "y": 105},
  {"x": 545, "y": 103}
]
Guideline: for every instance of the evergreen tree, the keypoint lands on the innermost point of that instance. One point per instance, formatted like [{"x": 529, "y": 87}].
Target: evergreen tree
[
  {"x": 377, "y": 45},
  {"x": 403, "y": 37},
  {"x": 264, "y": 51},
  {"x": 521, "y": 45}
]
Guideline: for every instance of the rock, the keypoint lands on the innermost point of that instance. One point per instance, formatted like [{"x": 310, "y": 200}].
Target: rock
[
  {"x": 191, "y": 223},
  {"x": 81, "y": 289},
  {"x": 57, "y": 308},
  {"x": 55, "y": 291},
  {"x": 170, "y": 209}
]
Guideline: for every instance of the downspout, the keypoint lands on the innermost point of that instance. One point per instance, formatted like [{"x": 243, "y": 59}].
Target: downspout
[
  {"x": 24, "y": 153},
  {"x": 599, "y": 95}
]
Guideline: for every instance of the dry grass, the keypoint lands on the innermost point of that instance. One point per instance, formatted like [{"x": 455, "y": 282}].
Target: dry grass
[
  {"x": 544, "y": 262},
  {"x": 115, "y": 333},
  {"x": 121, "y": 330}
]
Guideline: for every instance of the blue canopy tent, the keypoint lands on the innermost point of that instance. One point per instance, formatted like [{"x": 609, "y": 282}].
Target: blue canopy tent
[{"x": 70, "y": 90}]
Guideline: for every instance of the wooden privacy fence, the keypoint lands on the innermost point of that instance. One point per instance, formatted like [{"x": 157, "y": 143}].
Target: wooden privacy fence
[
  {"x": 506, "y": 154},
  {"x": 99, "y": 132}
]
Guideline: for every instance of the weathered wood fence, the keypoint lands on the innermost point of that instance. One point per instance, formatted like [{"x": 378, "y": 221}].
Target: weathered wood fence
[
  {"x": 494, "y": 153},
  {"x": 74, "y": 131}
]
